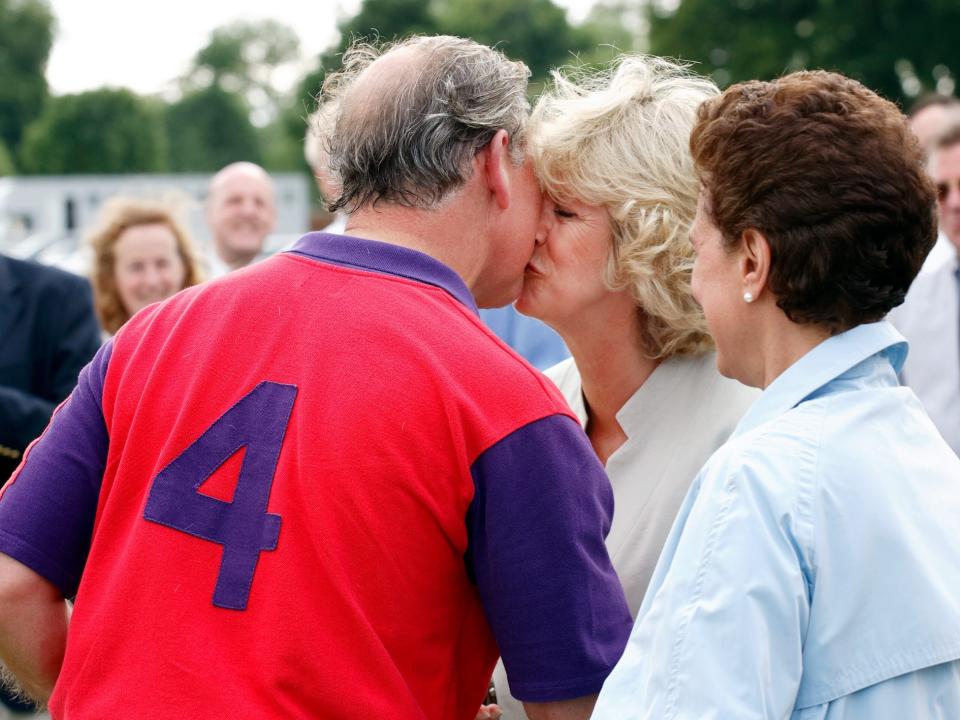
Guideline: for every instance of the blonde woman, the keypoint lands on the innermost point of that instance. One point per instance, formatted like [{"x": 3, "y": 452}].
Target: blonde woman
[
  {"x": 142, "y": 255},
  {"x": 611, "y": 274}
]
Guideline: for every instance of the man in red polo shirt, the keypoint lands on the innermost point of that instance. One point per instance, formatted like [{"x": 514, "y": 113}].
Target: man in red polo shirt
[{"x": 293, "y": 492}]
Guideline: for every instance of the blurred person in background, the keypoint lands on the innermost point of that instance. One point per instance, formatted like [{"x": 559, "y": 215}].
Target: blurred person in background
[
  {"x": 49, "y": 332},
  {"x": 141, "y": 254},
  {"x": 317, "y": 156},
  {"x": 930, "y": 317},
  {"x": 241, "y": 212},
  {"x": 929, "y": 117},
  {"x": 612, "y": 276},
  {"x": 812, "y": 571},
  {"x": 931, "y": 114}
]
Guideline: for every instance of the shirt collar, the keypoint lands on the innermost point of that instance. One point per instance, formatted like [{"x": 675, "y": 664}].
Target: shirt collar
[
  {"x": 827, "y": 361},
  {"x": 216, "y": 267},
  {"x": 953, "y": 262},
  {"x": 384, "y": 258}
]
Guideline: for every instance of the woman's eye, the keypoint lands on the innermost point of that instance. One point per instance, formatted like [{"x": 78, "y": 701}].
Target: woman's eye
[{"x": 563, "y": 213}]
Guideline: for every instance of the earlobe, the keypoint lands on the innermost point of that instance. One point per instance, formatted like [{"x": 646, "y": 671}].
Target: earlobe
[
  {"x": 496, "y": 158},
  {"x": 754, "y": 262}
]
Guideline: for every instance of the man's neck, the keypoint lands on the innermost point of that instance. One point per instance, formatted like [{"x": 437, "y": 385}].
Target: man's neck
[
  {"x": 232, "y": 261},
  {"x": 441, "y": 234}
]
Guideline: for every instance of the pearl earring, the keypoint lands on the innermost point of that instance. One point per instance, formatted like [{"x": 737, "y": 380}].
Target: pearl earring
[{"x": 748, "y": 297}]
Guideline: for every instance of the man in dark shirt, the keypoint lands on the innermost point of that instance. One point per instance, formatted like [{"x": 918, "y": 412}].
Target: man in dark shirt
[{"x": 48, "y": 332}]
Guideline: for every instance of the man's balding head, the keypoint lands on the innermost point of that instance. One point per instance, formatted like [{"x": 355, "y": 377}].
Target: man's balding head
[
  {"x": 410, "y": 118},
  {"x": 240, "y": 212},
  {"x": 931, "y": 114}
]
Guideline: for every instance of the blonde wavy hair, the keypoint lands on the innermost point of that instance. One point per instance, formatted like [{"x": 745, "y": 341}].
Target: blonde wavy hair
[
  {"x": 118, "y": 215},
  {"x": 619, "y": 138}
]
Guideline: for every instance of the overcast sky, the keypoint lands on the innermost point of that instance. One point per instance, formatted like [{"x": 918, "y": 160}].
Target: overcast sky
[{"x": 143, "y": 46}]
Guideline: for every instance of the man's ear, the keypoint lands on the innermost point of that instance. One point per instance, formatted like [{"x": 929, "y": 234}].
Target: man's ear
[
  {"x": 754, "y": 261},
  {"x": 497, "y": 161}
]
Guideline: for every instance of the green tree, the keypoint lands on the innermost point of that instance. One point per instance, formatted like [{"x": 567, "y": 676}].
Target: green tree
[
  {"x": 614, "y": 26},
  {"x": 281, "y": 147},
  {"x": 26, "y": 36},
  {"x": 6, "y": 161},
  {"x": 376, "y": 20},
  {"x": 245, "y": 57},
  {"x": 208, "y": 129},
  {"x": 101, "y": 131},
  {"x": 535, "y": 31},
  {"x": 388, "y": 19},
  {"x": 897, "y": 47}
]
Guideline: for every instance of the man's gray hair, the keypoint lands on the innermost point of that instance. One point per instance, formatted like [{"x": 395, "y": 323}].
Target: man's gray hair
[{"x": 412, "y": 141}]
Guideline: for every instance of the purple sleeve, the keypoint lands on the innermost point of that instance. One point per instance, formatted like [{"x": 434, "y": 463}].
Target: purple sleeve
[
  {"x": 537, "y": 524},
  {"x": 48, "y": 507}
]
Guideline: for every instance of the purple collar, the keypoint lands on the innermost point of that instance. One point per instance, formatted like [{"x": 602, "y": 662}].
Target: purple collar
[{"x": 384, "y": 258}]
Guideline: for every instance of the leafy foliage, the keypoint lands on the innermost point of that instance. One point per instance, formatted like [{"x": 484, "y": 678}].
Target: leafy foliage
[
  {"x": 102, "y": 131},
  {"x": 6, "y": 162},
  {"x": 245, "y": 57},
  {"x": 896, "y": 47},
  {"x": 535, "y": 31},
  {"x": 26, "y": 36},
  {"x": 388, "y": 19},
  {"x": 613, "y": 27},
  {"x": 208, "y": 129}
]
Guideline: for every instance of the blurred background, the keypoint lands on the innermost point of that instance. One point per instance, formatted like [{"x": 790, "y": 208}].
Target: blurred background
[{"x": 109, "y": 96}]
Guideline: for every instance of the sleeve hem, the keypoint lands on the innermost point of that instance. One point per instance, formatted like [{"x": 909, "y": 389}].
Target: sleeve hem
[
  {"x": 559, "y": 691},
  {"x": 36, "y": 560}
]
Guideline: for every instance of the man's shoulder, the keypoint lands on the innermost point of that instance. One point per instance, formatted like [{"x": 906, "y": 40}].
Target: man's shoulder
[
  {"x": 38, "y": 277},
  {"x": 512, "y": 380},
  {"x": 926, "y": 295}
]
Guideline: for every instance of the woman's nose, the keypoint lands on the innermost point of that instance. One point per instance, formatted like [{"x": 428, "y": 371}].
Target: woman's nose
[
  {"x": 541, "y": 237},
  {"x": 546, "y": 222},
  {"x": 152, "y": 277}
]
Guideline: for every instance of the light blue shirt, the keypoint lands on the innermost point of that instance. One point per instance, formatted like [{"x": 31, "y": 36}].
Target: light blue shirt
[
  {"x": 813, "y": 570},
  {"x": 537, "y": 343}
]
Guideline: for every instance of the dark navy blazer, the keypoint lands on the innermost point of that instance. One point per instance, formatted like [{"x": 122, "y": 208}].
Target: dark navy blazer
[{"x": 48, "y": 332}]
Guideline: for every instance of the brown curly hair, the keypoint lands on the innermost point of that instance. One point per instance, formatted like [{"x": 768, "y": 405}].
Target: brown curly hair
[
  {"x": 830, "y": 173},
  {"x": 118, "y": 215}
]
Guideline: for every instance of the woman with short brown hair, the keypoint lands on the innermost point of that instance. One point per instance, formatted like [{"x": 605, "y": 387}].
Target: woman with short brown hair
[{"x": 812, "y": 572}]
